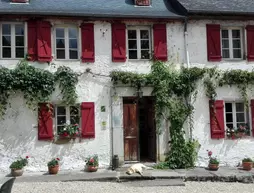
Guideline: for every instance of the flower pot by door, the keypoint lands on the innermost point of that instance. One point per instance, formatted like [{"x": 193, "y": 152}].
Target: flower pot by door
[
  {"x": 91, "y": 168},
  {"x": 213, "y": 167},
  {"x": 17, "y": 172},
  {"x": 247, "y": 165},
  {"x": 53, "y": 170}
]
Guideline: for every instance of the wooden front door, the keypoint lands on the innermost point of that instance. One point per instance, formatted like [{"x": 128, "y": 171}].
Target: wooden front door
[{"x": 130, "y": 132}]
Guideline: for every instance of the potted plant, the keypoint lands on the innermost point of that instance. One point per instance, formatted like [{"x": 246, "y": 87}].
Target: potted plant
[
  {"x": 247, "y": 164},
  {"x": 92, "y": 163},
  {"x": 17, "y": 166},
  {"x": 69, "y": 131},
  {"x": 53, "y": 166},
  {"x": 213, "y": 162}
]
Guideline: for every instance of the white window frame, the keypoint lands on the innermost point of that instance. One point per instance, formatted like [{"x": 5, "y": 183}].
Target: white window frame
[
  {"x": 66, "y": 41},
  {"x": 246, "y": 112},
  {"x": 229, "y": 29},
  {"x": 68, "y": 116},
  {"x": 138, "y": 28},
  {"x": 13, "y": 46}
]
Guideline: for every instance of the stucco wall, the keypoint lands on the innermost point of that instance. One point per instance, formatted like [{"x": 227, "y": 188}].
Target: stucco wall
[{"x": 18, "y": 136}]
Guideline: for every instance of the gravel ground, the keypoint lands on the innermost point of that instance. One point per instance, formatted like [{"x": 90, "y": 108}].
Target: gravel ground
[{"x": 108, "y": 187}]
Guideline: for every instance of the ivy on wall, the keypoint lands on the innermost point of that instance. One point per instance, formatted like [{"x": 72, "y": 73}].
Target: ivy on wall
[{"x": 36, "y": 84}]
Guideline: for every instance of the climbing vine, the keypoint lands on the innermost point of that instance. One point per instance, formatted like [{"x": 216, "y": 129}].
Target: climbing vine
[{"x": 36, "y": 84}]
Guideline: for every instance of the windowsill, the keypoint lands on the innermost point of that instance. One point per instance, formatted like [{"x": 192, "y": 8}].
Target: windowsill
[
  {"x": 11, "y": 58},
  {"x": 238, "y": 138},
  {"x": 136, "y": 60},
  {"x": 232, "y": 60},
  {"x": 72, "y": 60}
]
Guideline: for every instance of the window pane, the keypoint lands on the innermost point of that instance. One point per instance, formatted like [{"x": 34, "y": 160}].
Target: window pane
[
  {"x": 19, "y": 40},
  {"x": 74, "y": 119},
  {"x": 20, "y": 52},
  {"x": 224, "y": 33},
  {"x": 132, "y": 44},
  {"x": 6, "y": 52},
  {"x": 230, "y": 126},
  {"x": 225, "y": 43},
  {"x": 60, "y": 43},
  {"x": 229, "y": 117},
  {"x": 61, "y": 110},
  {"x": 133, "y": 54},
  {"x": 144, "y": 44},
  {"x": 236, "y": 33},
  {"x": 236, "y": 44},
  {"x": 59, "y": 33},
  {"x": 73, "y": 43},
  {"x": 228, "y": 107},
  {"x": 72, "y": 33},
  {"x": 144, "y": 34},
  {"x": 239, "y": 107},
  {"x": 74, "y": 110},
  {"x": 59, "y": 128},
  {"x": 6, "y": 29},
  {"x": 145, "y": 54},
  {"x": 60, "y": 54},
  {"x": 240, "y": 117},
  {"x": 73, "y": 54},
  {"x": 237, "y": 53},
  {"x": 61, "y": 120},
  {"x": 132, "y": 34},
  {"x": 225, "y": 53},
  {"x": 6, "y": 40},
  {"x": 19, "y": 29}
]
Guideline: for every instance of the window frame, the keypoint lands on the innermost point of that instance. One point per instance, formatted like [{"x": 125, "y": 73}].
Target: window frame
[
  {"x": 66, "y": 41},
  {"x": 229, "y": 29},
  {"x": 138, "y": 29},
  {"x": 13, "y": 38}
]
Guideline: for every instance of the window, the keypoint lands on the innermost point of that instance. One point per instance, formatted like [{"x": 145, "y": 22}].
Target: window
[
  {"x": 69, "y": 115},
  {"x": 231, "y": 41},
  {"x": 13, "y": 41},
  {"x": 139, "y": 43},
  {"x": 66, "y": 43},
  {"x": 236, "y": 116}
]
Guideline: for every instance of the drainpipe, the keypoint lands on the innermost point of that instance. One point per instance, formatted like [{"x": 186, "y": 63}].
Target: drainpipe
[
  {"x": 111, "y": 124},
  {"x": 187, "y": 59}
]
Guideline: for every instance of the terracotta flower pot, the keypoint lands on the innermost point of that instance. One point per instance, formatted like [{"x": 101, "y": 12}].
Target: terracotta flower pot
[
  {"x": 53, "y": 170},
  {"x": 247, "y": 165},
  {"x": 17, "y": 172},
  {"x": 213, "y": 167},
  {"x": 91, "y": 168}
]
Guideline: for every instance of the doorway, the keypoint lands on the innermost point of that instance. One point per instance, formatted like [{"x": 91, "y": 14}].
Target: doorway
[{"x": 139, "y": 129}]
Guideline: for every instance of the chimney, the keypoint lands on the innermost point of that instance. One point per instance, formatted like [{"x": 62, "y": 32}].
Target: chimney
[{"x": 142, "y": 2}]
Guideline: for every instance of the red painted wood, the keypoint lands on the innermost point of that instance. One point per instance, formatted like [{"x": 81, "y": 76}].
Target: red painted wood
[
  {"x": 45, "y": 121},
  {"x": 32, "y": 40},
  {"x": 250, "y": 42},
  {"x": 87, "y": 31},
  {"x": 160, "y": 42},
  {"x": 88, "y": 120},
  {"x": 118, "y": 42},
  {"x": 217, "y": 124},
  {"x": 213, "y": 42}
]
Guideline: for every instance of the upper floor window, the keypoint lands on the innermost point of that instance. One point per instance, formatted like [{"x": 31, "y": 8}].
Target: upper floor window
[
  {"x": 139, "y": 43},
  {"x": 66, "y": 43},
  {"x": 231, "y": 41},
  {"x": 13, "y": 41}
]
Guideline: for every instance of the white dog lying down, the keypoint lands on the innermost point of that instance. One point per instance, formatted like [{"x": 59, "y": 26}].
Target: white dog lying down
[{"x": 137, "y": 168}]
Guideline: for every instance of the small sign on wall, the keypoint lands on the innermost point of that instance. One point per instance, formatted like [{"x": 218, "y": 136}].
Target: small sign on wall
[
  {"x": 103, "y": 109},
  {"x": 103, "y": 124}
]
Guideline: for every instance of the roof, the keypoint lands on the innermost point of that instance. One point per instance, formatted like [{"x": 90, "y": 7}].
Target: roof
[
  {"x": 243, "y": 7},
  {"x": 90, "y": 8}
]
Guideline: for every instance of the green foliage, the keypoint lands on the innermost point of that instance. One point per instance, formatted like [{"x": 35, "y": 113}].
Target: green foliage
[
  {"x": 92, "y": 160},
  {"x": 36, "y": 84},
  {"x": 247, "y": 160},
  {"x": 161, "y": 166},
  {"x": 214, "y": 160},
  {"x": 54, "y": 162},
  {"x": 19, "y": 164}
]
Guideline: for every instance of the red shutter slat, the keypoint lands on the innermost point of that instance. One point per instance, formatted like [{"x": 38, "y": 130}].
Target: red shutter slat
[
  {"x": 160, "y": 42},
  {"x": 118, "y": 42},
  {"x": 45, "y": 121},
  {"x": 252, "y": 115},
  {"x": 217, "y": 119},
  {"x": 88, "y": 120},
  {"x": 213, "y": 42},
  {"x": 250, "y": 42},
  {"x": 87, "y": 33},
  {"x": 44, "y": 41},
  {"x": 32, "y": 40}
]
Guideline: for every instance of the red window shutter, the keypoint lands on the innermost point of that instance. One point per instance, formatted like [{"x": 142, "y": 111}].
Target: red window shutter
[
  {"x": 217, "y": 119},
  {"x": 160, "y": 42},
  {"x": 250, "y": 42},
  {"x": 252, "y": 115},
  {"x": 44, "y": 41},
  {"x": 32, "y": 40},
  {"x": 118, "y": 42},
  {"x": 45, "y": 121},
  {"x": 213, "y": 42},
  {"x": 87, "y": 31},
  {"x": 88, "y": 120}
]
